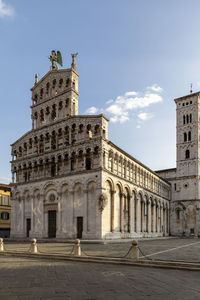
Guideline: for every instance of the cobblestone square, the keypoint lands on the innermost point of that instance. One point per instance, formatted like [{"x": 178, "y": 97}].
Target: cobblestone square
[{"x": 24, "y": 279}]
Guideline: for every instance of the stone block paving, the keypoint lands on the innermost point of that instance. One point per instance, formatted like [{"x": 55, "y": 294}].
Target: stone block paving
[{"x": 28, "y": 279}]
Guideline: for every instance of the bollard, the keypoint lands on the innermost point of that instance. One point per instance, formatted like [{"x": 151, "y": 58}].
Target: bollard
[
  {"x": 1, "y": 245},
  {"x": 134, "y": 254},
  {"x": 33, "y": 248},
  {"x": 77, "y": 247}
]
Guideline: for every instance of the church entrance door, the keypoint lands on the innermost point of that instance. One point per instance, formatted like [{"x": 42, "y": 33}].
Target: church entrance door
[
  {"x": 52, "y": 223},
  {"x": 79, "y": 227},
  {"x": 28, "y": 226}
]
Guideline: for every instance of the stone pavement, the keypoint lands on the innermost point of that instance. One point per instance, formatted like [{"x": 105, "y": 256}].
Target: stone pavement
[
  {"x": 175, "y": 249},
  {"x": 26, "y": 279}
]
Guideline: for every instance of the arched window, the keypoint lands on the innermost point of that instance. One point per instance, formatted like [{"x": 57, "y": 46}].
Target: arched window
[
  {"x": 178, "y": 214},
  {"x": 47, "y": 88},
  {"x": 54, "y": 83},
  {"x": 60, "y": 83},
  {"x": 80, "y": 128},
  {"x": 187, "y": 118},
  {"x": 41, "y": 93},
  {"x": 184, "y": 119},
  {"x": 67, "y": 82},
  {"x": 88, "y": 160},
  {"x": 190, "y": 118},
  {"x": 185, "y": 137},
  {"x": 187, "y": 153},
  {"x": 189, "y": 136},
  {"x": 60, "y": 105}
]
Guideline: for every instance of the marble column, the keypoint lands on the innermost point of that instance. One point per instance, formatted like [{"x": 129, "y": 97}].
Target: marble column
[
  {"x": 149, "y": 216},
  {"x": 132, "y": 213},
  {"x": 138, "y": 216},
  {"x": 112, "y": 210}
]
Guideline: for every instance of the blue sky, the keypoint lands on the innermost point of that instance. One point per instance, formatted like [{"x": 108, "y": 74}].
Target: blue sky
[{"x": 135, "y": 57}]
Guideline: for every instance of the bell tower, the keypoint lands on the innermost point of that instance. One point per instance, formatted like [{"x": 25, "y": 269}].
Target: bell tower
[
  {"x": 55, "y": 95},
  {"x": 188, "y": 154}
]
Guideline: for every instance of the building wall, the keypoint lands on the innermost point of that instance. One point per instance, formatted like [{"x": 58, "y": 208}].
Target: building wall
[
  {"x": 70, "y": 197},
  {"x": 5, "y": 210}
]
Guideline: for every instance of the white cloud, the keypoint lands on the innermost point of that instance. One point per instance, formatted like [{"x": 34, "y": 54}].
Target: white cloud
[
  {"x": 121, "y": 108},
  {"x": 145, "y": 116},
  {"x": 127, "y": 94},
  {"x": 92, "y": 110},
  {"x": 5, "y": 10},
  {"x": 155, "y": 88}
]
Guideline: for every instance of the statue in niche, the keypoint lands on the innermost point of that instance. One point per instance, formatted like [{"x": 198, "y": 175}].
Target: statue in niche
[{"x": 103, "y": 200}]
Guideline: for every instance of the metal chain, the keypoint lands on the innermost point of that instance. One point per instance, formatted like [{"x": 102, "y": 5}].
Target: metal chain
[
  {"x": 144, "y": 254},
  {"x": 108, "y": 255}
]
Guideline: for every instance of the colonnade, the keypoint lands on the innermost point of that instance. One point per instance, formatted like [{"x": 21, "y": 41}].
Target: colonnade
[{"x": 136, "y": 212}]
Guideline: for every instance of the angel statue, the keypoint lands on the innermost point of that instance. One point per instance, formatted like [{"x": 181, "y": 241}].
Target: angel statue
[
  {"x": 73, "y": 60},
  {"x": 55, "y": 57}
]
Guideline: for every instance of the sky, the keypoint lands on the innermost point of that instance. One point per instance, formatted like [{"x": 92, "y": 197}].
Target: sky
[{"x": 135, "y": 57}]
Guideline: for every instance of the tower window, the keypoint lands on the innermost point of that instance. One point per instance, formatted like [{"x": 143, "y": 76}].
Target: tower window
[
  {"x": 190, "y": 118},
  {"x": 189, "y": 136},
  {"x": 183, "y": 119},
  {"x": 175, "y": 186},
  {"x": 88, "y": 163},
  {"x": 187, "y": 154},
  {"x": 187, "y": 118},
  {"x": 185, "y": 137}
]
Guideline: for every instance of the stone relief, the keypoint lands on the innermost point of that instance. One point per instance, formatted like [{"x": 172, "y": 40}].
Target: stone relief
[{"x": 103, "y": 201}]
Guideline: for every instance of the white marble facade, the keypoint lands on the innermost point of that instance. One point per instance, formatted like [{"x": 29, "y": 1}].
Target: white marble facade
[{"x": 70, "y": 181}]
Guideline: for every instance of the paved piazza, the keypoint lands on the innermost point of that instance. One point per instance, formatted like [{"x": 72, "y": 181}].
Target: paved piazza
[
  {"x": 23, "y": 279},
  {"x": 26, "y": 278}
]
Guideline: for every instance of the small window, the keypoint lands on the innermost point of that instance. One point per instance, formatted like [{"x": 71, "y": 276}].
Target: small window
[
  {"x": 60, "y": 83},
  {"x": 187, "y": 103},
  {"x": 54, "y": 83},
  {"x": 190, "y": 102},
  {"x": 5, "y": 216},
  {"x": 178, "y": 214},
  {"x": 175, "y": 186},
  {"x": 5, "y": 200},
  {"x": 67, "y": 82},
  {"x": 190, "y": 118},
  {"x": 189, "y": 136},
  {"x": 183, "y": 104},
  {"x": 185, "y": 137},
  {"x": 183, "y": 119},
  {"x": 187, "y": 118},
  {"x": 187, "y": 154},
  {"x": 88, "y": 163}
]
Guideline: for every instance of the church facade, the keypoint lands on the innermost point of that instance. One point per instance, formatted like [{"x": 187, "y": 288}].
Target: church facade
[{"x": 69, "y": 181}]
